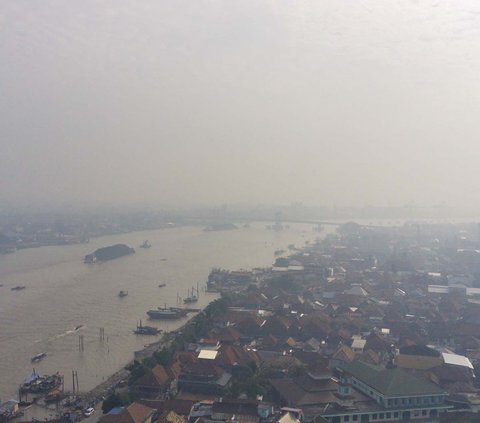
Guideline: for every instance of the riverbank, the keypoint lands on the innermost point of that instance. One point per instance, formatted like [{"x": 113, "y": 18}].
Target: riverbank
[
  {"x": 117, "y": 379},
  {"x": 63, "y": 293}
]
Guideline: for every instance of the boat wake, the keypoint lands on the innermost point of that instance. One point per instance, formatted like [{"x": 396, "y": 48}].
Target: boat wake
[
  {"x": 61, "y": 335},
  {"x": 69, "y": 332}
]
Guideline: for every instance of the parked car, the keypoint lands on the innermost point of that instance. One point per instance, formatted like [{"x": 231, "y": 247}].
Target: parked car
[{"x": 88, "y": 412}]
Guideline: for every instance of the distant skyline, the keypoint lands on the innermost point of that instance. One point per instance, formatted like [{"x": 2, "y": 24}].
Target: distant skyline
[{"x": 181, "y": 103}]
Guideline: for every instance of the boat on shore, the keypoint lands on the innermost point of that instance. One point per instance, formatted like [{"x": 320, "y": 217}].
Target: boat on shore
[
  {"x": 122, "y": 294},
  {"x": 38, "y": 357}
]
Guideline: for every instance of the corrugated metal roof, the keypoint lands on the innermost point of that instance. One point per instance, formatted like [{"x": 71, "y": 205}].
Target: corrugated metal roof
[
  {"x": 390, "y": 382},
  {"x": 457, "y": 360},
  {"x": 208, "y": 354},
  {"x": 359, "y": 344}
]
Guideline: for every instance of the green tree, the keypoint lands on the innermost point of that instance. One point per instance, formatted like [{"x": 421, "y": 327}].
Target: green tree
[
  {"x": 136, "y": 370},
  {"x": 112, "y": 401},
  {"x": 163, "y": 356}
]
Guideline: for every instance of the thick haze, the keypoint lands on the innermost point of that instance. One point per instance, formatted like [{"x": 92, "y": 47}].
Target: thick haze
[{"x": 197, "y": 102}]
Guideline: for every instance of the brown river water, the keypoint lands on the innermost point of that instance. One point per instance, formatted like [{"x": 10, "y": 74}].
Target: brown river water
[{"x": 63, "y": 293}]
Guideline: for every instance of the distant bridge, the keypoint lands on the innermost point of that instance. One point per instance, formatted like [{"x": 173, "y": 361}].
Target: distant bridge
[{"x": 279, "y": 221}]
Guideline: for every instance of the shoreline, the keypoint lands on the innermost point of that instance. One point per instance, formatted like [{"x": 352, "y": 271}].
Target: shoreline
[
  {"x": 96, "y": 394},
  {"x": 145, "y": 346}
]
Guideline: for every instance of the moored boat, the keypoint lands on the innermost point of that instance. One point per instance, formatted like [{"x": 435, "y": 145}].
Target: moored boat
[
  {"x": 146, "y": 330},
  {"x": 35, "y": 383},
  {"x": 190, "y": 299},
  {"x": 167, "y": 313},
  {"x": 191, "y": 296},
  {"x": 55, "y": 395}
]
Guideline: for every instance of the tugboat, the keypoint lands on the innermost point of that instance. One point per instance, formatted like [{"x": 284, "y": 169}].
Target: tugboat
[
  {"x": 146, "y": 244},
  {"x": 122, "y": 294},
  {"x": 146, "y": 330}
]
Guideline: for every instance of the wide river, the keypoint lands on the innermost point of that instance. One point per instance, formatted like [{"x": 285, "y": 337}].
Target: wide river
[{"x": 63, "y": 293}]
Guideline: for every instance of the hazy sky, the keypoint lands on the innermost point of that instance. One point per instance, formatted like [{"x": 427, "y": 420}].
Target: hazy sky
[{"x": 197, "y": 102}]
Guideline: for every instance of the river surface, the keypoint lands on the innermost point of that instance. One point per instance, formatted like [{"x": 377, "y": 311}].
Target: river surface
[{"x": 63, "y": 293}]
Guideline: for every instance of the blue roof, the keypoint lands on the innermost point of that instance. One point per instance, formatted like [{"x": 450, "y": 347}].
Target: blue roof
[
  {"x": 32, "y": 377},
  {"x": 116, "y": 410}
]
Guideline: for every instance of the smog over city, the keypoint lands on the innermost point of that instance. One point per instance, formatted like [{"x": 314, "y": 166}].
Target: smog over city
[
  {"x": 352, "y": 103},
  {"x": 239, "y": 211}
]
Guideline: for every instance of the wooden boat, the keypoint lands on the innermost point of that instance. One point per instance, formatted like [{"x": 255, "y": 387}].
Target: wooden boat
[
  {"x": 38, "y": 357},
  {"x": 146, "y": 330},
  {"x": 54, "y": 395}
]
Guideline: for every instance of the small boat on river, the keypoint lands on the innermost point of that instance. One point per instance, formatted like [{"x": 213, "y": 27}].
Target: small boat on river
[
  {"x": 122, "y": 294},
  {"x": 161, "y": 285},
  {"x": 146, "y": 244},
  {"x": 18, "y": 288},
  {"x": 38, "y": 357}
]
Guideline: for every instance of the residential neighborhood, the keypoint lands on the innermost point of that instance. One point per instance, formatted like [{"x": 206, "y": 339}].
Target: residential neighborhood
[{"x": 367, "y": 325}]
